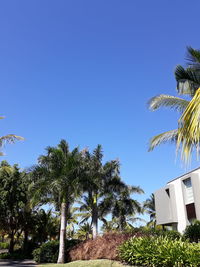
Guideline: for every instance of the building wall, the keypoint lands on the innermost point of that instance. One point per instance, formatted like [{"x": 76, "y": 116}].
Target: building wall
[{"x": 171, "y": 209}]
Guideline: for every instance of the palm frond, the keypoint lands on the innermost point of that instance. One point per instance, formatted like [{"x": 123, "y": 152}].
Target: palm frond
[
  {"x": 189, "y": 129},
  {"x": 188, "y": 80},
  {"x": 170, "y": 136},
  {"x": 173, "y": 102},
  {"x": 193, "y": 57},
  {"x": 135, "y": 189},
  {"x": 9, "y": 138}
]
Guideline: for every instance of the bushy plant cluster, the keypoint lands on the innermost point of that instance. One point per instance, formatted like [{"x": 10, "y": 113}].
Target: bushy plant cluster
[
  {"x": 155, "y": 232},
  {"x": 48, "y": 252},
  {"x": 192, "y": 232},
  {"x": 160, "y": 251},
  {"x": 4, "y": 245}
]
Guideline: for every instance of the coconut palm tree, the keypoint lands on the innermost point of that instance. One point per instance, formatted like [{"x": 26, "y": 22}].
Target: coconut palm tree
[
  {"x": 122, "y": 206},
  {"x": 187, "y": 134},
  {"x": 99, "y": 181},
  {"x": 149, "y": 207},
  {"x": 56, "y": 178}
]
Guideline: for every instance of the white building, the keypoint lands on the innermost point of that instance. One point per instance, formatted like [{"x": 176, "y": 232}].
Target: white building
[{"x": 178, "y": 203}]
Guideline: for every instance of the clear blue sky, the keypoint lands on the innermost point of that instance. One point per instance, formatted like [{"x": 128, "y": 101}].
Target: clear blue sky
[{"x": 84, "y": 71}]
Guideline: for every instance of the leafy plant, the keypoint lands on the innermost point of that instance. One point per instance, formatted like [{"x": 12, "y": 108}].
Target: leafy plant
[
  {"x": 192, "y": 232},
  {"x": 4, "y": 245},
  {"x": 160, "y": 251},
  {"x": 48, "y": 252}
]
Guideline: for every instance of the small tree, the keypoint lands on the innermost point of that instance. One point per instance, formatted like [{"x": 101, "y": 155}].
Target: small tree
[{"x": 13, "y": 189}]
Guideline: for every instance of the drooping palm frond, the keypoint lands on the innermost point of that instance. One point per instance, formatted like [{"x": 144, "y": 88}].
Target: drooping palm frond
[
  {"x": 170, "y": 136},
  {"x": 188, "y": 80},
  {"x": 135, "y": 189},
  {"x": 149, "y": 207},
  {"x": 173, "y": 102},
  {"x": 193, "y": 57},
  {"x": 189, "y": 128},
  {"x": 9, "y": 138}
]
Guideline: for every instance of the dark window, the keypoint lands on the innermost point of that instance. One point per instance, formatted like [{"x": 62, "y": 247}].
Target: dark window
[
  {"x": 191, "y": 213},
  {"x": 167, "y": 191}
]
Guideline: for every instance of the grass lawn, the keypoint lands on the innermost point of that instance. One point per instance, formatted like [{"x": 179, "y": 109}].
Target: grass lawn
[{"x": 91, "y": 263}]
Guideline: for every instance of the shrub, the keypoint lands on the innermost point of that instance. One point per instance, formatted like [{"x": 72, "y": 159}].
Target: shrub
[
  {"x": 192, "y": 232},
  {"x": 160, "y": 251},
  {"x": 14, "y": 256},
  {"x": 172, "y": 234},
  {"x": 48, "y": 252},
  {"x": 105, "y": 247},
  {"x": 102, "y": 247},
  {"x": 4, "y": 245},
  {"x": 156, "y": 232}
]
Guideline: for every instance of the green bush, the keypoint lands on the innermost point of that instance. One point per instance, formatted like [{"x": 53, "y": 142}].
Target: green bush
[
  {"x": 48, "y": 252},
  {"x": 4, "y": 245},
  {"x": 172, "y": 234},
  {"x": 160, "y": 251},
  {"x": 14, "y": 256},
  {"x": 192, "y": 232},
  {"x": 155, "y": 232}
]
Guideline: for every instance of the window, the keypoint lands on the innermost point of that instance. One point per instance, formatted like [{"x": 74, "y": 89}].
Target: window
[
  {"x": 188, "y": 192},
  {"x": 191, "y": 213},
  {"x": 167, "y": 191}
]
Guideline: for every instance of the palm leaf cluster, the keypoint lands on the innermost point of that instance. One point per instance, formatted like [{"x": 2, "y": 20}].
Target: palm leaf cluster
[
  {"x": 65, "y": 178},
  {"x": 9, "y": 138},
  {"x": 187, "y": 134}
]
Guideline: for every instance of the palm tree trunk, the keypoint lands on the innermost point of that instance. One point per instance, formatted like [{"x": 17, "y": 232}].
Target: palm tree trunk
[
  {"x": 63, "y": 223},
  {"x": 94, "y": 219},
  {"x": 25, "y": 241},
  {"x": 11, "y": 245}
]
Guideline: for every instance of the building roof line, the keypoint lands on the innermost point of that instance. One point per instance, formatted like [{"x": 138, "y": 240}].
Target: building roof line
[{"x": 183, "y": 175}]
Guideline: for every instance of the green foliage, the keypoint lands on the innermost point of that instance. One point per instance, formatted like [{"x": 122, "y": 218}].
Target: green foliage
[
  {"x": 192, "y": 232},
  {"x": 48, "y": 252},
  {"x": 160, "y": 252},
  {"x": 186, "y": 137},
  {"x": 16, "y": 255},
  {"x": 172, "y": 234},
  {"x": 13, "y": 198},
  {"x": 4, "y": 245}
]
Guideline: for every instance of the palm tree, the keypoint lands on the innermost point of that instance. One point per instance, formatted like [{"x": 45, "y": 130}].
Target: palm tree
[
  {"x": 9, "y": 138},
  {"x": 84, "y": 231},
  {"x": 123, "y": 207},
  {"x": 56, "y": 177},
  {"x": 99, "y": 181},
  {"x": 188, "y": 80},
  {"x": 187, "y": 134},
  {"x": 149, "y": 207}
]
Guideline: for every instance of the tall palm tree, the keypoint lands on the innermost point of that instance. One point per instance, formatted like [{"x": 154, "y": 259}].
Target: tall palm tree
[
  {"x": 187, "y": 134},
  {"x": 149, "y": 207},
  {"x": 56, "y": 177},
  {"x": 99, "y": 180}
]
